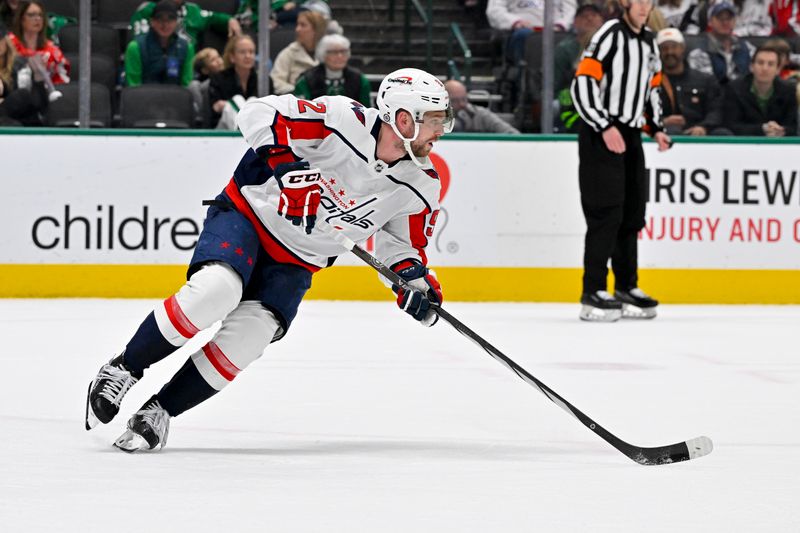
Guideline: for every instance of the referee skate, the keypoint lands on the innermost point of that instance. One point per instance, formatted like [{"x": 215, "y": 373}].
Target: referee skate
[
  {"x": 636, "y": 304},
  {"x": 600, "y": 306}
]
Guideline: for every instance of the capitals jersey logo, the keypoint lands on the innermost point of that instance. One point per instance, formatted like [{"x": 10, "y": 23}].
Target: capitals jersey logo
[{"x": 358, "y": 109}]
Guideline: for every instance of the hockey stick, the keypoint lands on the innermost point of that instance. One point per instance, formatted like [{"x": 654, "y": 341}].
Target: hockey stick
[{"x": 673, "y": 453}]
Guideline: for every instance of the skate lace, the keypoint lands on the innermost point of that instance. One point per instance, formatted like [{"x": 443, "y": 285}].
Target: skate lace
[
  {"x": 157, "y": 418},
  {"x": 118, "y": 383},
  {"x": 153, "y": 417},
  {"x": 603, "y": 295},
  {"x": 638, "y": 293}
]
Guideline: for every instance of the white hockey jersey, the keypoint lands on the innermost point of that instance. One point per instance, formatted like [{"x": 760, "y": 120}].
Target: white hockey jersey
[{"x": 362, "y": 195}]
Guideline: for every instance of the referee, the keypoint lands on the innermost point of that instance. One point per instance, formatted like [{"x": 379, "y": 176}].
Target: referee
[{"x": 615, "y": 90}]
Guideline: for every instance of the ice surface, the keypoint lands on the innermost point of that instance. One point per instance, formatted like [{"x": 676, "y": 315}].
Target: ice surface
[{"x": 361, "y": 420}]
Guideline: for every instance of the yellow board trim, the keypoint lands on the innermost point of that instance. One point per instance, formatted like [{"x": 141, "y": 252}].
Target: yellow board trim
[{"x": 460, "y": 283}]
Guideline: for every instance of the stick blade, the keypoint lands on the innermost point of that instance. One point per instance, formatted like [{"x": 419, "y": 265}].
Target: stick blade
[
  {"x": 699, "y": 447},
  {"x": 674, "y": 453}
]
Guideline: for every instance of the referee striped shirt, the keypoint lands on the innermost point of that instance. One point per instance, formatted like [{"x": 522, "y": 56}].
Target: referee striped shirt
[{"x": 617, "y": 79}]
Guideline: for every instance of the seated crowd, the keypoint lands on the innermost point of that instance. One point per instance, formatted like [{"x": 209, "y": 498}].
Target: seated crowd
[
  {"x": 730, "y": 68},
  {"x": 162, "y": 49}
]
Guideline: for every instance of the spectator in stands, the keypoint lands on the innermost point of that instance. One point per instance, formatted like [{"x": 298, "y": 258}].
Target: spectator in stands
[
  {"x": 8, "y": 8},
  {"x": 55, "y": 22},
  {"x": 333, "y": 76},
  {"x": 691, "y": 100},
  {"x": 7, "y": 75},
  {"x": 523, "y": 18},
  {"x": 789, "y": 63},
  {"x": 720, "y": 52},
  {"x": 588, "y": 19},
  {"x": 238, "y": 78},
  {"x": 298, "y": 57},
  {"x": 753, "y": 18},
  {"x": 786, "y": 17},
  {"x": 7, "y": 58},
  {"x": 322, "y": 7},
  {"x": 470, "y": 118},
  {"x": 283, "y": 12},
  {"x": 30, "y": 41},
  {"x": 656, "y": 21},
  {"x": 8, "y": 70},
  {"x": 679, "y": 14},
  {"x": 160, "y": 55},
  {"x": 23, "y": 97},
  {"x": 760, "y": 103},
  {"x": 207, "y": 62},
  {"x": 193, "y": 21}
]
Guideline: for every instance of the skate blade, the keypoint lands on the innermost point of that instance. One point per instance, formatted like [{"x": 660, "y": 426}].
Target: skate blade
[
  {"x": 131, "y": 442},
  {"x": 595, "y": 314},
  {"x": 91, "y": 421},
  {"x": 638, "y": 313}
]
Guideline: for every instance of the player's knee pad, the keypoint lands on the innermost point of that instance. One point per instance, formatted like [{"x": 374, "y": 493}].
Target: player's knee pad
[
  {"x": 244, "y": 335},
  {"x": 210, "y": 294}
]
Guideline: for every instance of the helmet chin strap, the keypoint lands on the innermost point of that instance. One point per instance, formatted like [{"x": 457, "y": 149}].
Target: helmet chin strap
[
  {"x": 407, "y": 143},
  {"x": 419, "y": 162}
]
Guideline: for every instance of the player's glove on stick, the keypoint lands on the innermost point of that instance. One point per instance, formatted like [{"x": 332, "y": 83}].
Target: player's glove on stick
[
  {"x": 300, "y": 193},
  {"x": 426, "y": 290}
]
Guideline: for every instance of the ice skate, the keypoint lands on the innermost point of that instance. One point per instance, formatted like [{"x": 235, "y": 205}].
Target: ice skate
[
  {"x": 600, "y": 306},
  {"x": 147, "y": 429},
  {"x": 106, "y": 391},
  {"x": 636, "y": 304}
]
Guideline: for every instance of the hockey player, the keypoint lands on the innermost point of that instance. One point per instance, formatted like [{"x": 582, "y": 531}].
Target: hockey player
[{"x": 365, "y": 171}]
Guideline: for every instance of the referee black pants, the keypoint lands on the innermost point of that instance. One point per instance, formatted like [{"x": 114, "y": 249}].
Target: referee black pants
[{"x": 613, "y": 197}]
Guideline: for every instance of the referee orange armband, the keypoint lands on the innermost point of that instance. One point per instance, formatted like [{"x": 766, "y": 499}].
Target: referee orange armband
[
  {"x": 656, "y": 81},
  {"x": 590, "y": 67}
]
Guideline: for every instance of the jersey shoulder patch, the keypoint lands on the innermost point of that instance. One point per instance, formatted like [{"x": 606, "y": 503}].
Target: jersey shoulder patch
[
  {"x": 358, "y": 109},
  {"x": 431, "y": 173}
]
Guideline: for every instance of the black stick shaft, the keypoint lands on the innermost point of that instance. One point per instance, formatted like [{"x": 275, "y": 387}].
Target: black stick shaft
[{"x": 681, "y": 451}]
